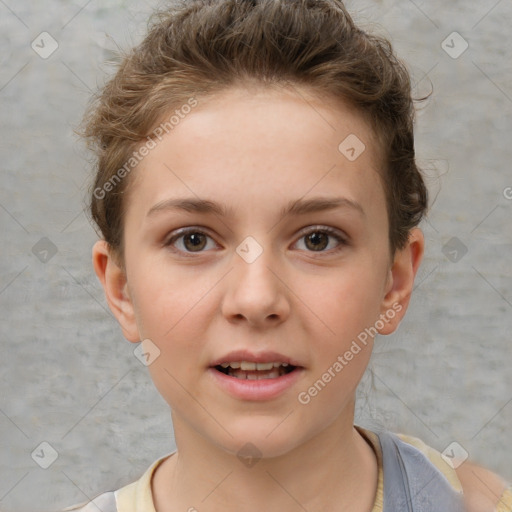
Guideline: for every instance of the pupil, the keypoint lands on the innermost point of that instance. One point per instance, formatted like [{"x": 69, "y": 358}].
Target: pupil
[
  {"x": 317, "y": 237},
  {"x": 196, "y": 241}
]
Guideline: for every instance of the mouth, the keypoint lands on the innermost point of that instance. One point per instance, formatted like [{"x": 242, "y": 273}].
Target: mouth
[
  {"x": 248, "y": 376},
  {"x": 248, "y": 370}
]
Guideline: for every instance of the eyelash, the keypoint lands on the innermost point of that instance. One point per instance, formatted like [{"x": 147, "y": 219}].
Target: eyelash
[{"x": 326, "y": 230}]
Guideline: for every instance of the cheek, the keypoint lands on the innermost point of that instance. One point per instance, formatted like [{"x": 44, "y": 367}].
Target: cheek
[
  {"x": 165, "y": 299},
  {"x": 348, "y": 307},
  {"x": 173, "y": 310},
  {"x": 169, "y": 309},
  {"x": 348, "y": 301}
]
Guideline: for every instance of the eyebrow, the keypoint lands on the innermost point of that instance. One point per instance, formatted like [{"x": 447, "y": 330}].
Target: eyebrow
[{"x": 297, "y": 207}]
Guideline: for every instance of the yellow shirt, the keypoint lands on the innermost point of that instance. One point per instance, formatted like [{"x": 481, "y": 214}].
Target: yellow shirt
[{"x": 138, "y": 497}]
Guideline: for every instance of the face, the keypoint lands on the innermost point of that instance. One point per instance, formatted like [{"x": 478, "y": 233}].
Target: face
[{"x": 287, "y": 262}]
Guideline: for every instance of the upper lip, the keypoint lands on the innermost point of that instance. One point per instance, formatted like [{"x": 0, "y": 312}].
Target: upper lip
[{"x": 255, "y": 357}]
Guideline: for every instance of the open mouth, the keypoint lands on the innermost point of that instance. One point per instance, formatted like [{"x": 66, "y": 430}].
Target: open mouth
[{"x": 255, "y": 371}]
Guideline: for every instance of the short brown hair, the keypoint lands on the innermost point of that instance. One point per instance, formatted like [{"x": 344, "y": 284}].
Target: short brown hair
[{"x": 201, "y": 47}]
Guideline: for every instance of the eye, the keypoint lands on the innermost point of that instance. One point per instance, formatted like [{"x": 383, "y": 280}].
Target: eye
[
  {"x": 193, "y": 240},
  {"x": 317, "y": 239}
]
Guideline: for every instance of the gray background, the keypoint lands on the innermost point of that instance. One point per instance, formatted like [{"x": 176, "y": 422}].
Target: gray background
[{"x": 69, "y": 378}]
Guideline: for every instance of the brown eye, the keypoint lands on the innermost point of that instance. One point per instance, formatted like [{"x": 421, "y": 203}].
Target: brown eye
[
  {"x": 189, "y": 241},
  {"x": 194, "y": 241},
  {"x": 318, "y": 240}
]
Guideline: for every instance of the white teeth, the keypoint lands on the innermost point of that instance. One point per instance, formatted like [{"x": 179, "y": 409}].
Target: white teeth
[
  {"x": 264, "y": 366},
  {"x": 248, "y": 365},
  {"x": 251, "y": 376}
]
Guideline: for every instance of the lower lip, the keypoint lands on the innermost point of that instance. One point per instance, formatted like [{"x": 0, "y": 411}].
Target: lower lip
[{"x": 263, "y": 389}]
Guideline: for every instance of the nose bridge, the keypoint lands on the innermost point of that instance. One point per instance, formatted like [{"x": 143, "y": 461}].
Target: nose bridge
[
  {"x": 255, "y": 261},
  {"x": 250, "y": 250},
  {"x": 255, "y": 289}
]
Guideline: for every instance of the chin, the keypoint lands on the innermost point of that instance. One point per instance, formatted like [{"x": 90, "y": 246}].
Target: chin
[{"x": 261, "y": 437}]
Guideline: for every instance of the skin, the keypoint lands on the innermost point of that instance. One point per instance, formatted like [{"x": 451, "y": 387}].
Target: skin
[{"x": 254, "y": 150}]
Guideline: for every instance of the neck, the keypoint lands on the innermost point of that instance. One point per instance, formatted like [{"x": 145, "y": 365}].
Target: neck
[{"x": 335, "y": 470}]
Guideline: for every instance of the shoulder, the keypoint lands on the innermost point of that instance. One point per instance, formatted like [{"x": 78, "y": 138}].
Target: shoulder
[
  {"x": 484, "y": 491},
  {"x": 134, "y": 496}
]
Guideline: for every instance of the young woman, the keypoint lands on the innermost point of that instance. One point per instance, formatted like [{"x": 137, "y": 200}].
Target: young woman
[{"x": 258, "y": 200}]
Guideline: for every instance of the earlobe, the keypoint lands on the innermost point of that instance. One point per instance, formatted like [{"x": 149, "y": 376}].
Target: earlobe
[
  {"x": 115, "y": 286},
  {"x": 400, "y": 281}
]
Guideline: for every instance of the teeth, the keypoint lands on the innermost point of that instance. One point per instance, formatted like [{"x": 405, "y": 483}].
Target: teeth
[
  {"x": 264, "y": 366},
  {"x": 248, "y": 365},
  {"x": 251, "y": 376}
]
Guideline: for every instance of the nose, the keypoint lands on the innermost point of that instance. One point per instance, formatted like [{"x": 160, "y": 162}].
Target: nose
[{"x": 257, "y": 290}]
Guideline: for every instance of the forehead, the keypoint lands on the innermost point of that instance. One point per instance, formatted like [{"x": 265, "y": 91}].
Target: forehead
[
  {"x": 248, "y": 146},
  {"x": 288, "y": 114}
]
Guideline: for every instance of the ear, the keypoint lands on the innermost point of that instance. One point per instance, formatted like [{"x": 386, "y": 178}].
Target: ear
[
  {"x": 400, "y": 281},
  {"x": 115, "y": 285}
]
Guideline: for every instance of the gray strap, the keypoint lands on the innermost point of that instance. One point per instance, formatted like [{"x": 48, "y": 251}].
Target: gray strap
[{"x": 411, "y": 482}]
